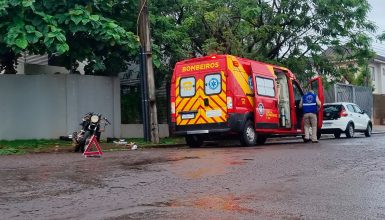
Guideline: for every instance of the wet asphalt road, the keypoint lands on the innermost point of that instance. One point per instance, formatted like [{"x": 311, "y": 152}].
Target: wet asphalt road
[{"x": 334, "y": 179}]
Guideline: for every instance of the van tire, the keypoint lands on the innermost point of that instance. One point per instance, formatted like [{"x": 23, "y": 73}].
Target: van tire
[
  {"x": 248, "y": 135},
  {"x": 194, "y": 141},
  {"x": 349, "y": 130},
  {"x": 261, "y": 139}
]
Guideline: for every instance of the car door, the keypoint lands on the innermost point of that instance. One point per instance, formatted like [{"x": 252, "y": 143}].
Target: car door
[
  {"x": 361, "y": 117},
  {"x": 354, "y": 116}
]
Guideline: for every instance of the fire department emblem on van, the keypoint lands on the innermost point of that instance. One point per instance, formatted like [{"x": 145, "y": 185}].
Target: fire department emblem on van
[{"x": 261, "y": 109}]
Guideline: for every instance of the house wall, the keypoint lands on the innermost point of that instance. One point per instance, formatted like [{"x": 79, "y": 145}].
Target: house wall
[
  {"x": 379, "y": 76},
  {"x": 49, "y": 106}
]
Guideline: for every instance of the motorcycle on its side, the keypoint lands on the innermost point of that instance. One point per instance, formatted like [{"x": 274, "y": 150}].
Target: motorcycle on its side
[{"x": 92, "y": 124}]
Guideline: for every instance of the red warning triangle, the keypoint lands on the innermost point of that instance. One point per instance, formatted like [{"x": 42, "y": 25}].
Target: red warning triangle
[{"x": 93, "y": 142}]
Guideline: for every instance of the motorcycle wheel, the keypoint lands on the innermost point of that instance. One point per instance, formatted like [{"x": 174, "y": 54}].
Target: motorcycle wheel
[
  {"x": 87, "y": 138},
  {"x": 75, "y": 143}
]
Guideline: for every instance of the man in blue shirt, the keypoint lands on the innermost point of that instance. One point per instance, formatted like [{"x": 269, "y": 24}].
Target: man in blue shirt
[{"x": 309, "y": 104}]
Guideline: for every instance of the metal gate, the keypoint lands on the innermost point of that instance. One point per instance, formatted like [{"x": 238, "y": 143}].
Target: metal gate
[{"x": 362, "y": 96}]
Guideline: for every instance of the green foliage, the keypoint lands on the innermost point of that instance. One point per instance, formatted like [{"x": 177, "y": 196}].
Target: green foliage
[
  {"x": 293, "y": 33},
  {"x": 382, "y": 37},
  {"x": 76, "y": 30},
  {"x": 24, "y": 146}
]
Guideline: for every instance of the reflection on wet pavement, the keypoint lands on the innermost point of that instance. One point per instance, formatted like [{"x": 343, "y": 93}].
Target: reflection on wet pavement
[
  {"x": 209, "y": 164},
  {"x": 335, "y": 179}
]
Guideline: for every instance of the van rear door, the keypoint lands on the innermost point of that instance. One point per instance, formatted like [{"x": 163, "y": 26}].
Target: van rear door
[
  {"x": 265, "y": 108},
  {"x": 317, "y": 86},
  {"x": 201, "y": 94}
]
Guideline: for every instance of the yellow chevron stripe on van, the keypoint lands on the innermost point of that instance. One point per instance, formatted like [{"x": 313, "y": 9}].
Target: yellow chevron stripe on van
[
  {"x": 196, "y": 103},
  {"x": 271, "y": 70},
  {"x": 240, "y": 76}
]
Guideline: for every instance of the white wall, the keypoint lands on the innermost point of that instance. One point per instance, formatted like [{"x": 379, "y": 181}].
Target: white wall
[
  {"x": 49, "y": 106},
  {"x": 379, "y": 82},
  {"x": 382, "y": 78}
]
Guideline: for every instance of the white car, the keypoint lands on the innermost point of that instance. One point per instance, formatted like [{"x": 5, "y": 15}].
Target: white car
[{"x": 345, "y": 117}]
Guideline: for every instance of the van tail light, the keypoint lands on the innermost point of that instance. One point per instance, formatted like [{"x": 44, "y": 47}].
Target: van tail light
[
  {"x": 229, "y": 102},
  {"x": 172, "y": 107},
  {"x": 343, "y": 112}
]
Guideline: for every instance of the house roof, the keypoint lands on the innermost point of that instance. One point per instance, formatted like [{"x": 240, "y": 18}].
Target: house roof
[
  {"x": 380, "y": 58},
  {"x": 331, "y": 52}
]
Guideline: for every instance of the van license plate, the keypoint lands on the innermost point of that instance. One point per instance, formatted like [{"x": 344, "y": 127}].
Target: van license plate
[{"x": 188, "y": 116}]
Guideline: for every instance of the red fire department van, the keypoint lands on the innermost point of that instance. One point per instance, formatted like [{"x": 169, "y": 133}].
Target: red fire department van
[{"x": 223, "y": 95}]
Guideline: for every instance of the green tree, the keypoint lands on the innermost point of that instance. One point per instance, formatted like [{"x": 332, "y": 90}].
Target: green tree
[
  {"x": 294, "y": 33},
  {"x": 76, "y": 30}
]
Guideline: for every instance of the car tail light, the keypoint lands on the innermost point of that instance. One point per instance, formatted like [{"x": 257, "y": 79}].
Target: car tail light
[{"x": 343, "y": 112}]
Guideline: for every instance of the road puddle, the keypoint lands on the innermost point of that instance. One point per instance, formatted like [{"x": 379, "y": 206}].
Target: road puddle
[
  {"x": 213, "y": 202},
  {"x": 204, "y": 164}
]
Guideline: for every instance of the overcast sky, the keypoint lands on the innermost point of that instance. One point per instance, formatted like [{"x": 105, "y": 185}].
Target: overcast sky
[{"x": 377, "y": 15}]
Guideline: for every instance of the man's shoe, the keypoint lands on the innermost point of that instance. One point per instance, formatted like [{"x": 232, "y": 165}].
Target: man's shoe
[
  {"x": 306, "y": 140},
  {"x": 314, "y": 141}
]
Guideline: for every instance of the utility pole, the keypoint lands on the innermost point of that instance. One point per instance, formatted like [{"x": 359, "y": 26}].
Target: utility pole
[{"x": 146, "y": 52}]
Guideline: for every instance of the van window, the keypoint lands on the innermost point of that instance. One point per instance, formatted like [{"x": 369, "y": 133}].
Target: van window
[
  {"x": 213, "y": 84},
  {"x": 187, "y": 87},
  {"x": 265, "y": 87},
  {"x": 297, "y": 91}
]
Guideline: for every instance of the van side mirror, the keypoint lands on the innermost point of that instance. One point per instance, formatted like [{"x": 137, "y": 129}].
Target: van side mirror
[{"x": 363, "y": 111}]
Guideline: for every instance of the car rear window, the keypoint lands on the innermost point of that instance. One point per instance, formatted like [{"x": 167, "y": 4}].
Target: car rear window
[{"x": 332, "y": 111}]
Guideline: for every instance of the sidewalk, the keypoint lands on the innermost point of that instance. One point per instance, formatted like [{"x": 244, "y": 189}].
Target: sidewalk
[{"x": 378, "y": 129}]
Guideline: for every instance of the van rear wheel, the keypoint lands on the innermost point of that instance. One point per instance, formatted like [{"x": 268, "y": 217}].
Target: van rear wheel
[
  {"x": 194, "y": 141},
  {"x": 248, "y": 135},
  {"x": 261, "y": 139}
]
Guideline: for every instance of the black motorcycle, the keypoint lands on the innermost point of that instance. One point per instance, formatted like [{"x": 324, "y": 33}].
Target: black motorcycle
[{"x": 92, "y": 124}]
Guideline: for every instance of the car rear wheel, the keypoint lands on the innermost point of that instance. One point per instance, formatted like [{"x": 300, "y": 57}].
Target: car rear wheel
[
  {"x": 368, "y": 131},
  {"x": 349, "y": 130},
  {"x": 194, "y": 141},
  {"x": 248, "y": 135},
  {"x": 337, "y": 134}
]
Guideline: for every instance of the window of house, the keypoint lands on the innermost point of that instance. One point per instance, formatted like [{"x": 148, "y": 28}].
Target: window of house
[
  {"x": 373, "y": 73},
  {"x": 265, "y": 87}
]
